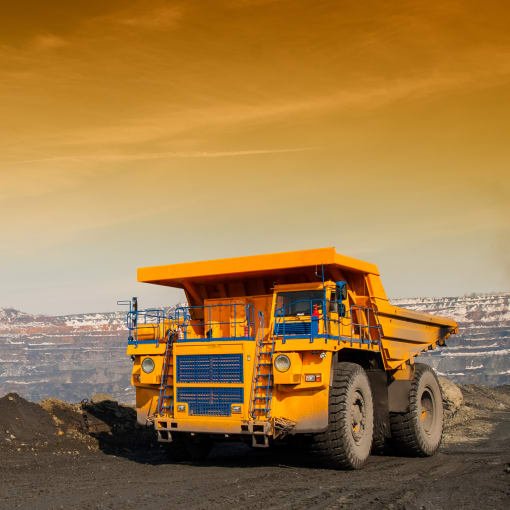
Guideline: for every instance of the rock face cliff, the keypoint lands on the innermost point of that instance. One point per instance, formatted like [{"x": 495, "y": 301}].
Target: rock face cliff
[
  {"x": 480, "y": 353},
  {"x": 67, "y": 357},
  {"x": 71, "y": 357}
]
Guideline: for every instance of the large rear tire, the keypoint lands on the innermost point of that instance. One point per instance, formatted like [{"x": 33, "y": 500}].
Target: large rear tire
[
  {"x": 418, "y": 432},
  {"x": 347, "y": 442}
]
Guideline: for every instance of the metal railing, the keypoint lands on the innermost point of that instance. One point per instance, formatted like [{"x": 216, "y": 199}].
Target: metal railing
[
  {"x": 304, "y": 325},
  {"x": 145, "y": 326},
  {"x": 369, "y": 331},
  {"x": 208, "y": 322},
  {"x": 232, "y": 321},
  {"x": 318, "y": 322}
]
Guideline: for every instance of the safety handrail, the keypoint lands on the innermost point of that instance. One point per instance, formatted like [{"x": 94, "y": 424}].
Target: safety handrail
[
  {"x": 285, "y": 325},
  {"x": 243, "y": 323},
  {"x": 282, "y": 319},
  {"x": 153, "y": 318},
  {"x": 364, "y": 329}
]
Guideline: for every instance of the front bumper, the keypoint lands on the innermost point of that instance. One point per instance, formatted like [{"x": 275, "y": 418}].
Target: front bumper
[{"x": 210, "y": 425}]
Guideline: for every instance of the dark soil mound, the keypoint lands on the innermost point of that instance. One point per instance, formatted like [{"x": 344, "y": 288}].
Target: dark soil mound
[
  {"x": 487, "y": 398},
  {"x": 115, "y": 427},
  {"x": 21, "y": 420},
  {"x": 68, "y": 417},
  {"x": 58, "y": 426}
]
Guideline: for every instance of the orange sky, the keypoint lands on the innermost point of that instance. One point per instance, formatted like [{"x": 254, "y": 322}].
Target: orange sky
[{"x": 149, "y": 132}]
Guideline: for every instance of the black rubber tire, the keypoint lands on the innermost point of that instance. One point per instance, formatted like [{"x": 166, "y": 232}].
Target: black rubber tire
[
  {"x": 419, "y": 431},
  {"x": 378, "y": 443},
  {"x": 347, "y": 442}
]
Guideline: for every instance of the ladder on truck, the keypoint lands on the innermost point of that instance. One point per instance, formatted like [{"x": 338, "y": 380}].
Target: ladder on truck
[
  {"x": 262, "y": 386},
  {"x": 166, "y": 389}
]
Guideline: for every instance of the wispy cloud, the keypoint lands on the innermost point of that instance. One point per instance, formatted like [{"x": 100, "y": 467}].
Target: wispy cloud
[
  {"x": 251, "y": 3},
  {"x": 142, "y": 92},
  {"x": 160, "y": 17},
  {"x": 158, "y": 155},
  {"x": 48, "y": 42},
  {"x": 202, "y": 123}
]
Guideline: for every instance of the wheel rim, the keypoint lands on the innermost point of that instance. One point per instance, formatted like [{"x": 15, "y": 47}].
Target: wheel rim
[
  {"x": 427, "y": 410},
  {"x": 358, "y": 417}
]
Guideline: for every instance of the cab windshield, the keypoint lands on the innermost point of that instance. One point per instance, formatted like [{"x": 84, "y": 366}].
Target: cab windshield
[{"x": 299, "y": 302}]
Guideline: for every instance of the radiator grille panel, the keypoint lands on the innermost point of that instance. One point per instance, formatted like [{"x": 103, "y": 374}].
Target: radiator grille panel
[
  {"x": 292, "y": 328},
  {"x": 210, "y": 368},
  {"x": 210, "y": 401}
]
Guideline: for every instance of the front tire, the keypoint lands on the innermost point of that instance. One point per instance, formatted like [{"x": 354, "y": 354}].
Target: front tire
[
  {"x": 347, "y": 442},
  {"x": 418, "y": 432}
]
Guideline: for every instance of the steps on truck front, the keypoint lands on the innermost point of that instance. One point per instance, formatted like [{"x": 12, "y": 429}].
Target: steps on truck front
[
  {"x": 166, "y": 396},
  {"x": 166, "y": 389},
  {"x": 260, "y": 432},
  {"x": 262, "y": 384}
]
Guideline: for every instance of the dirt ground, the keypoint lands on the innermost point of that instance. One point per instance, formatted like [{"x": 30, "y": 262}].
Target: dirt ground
[{"x": 94, "y": 457}]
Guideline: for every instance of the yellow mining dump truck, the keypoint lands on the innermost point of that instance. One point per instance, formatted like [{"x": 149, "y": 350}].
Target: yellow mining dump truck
[{"x": 301, "y": 345}]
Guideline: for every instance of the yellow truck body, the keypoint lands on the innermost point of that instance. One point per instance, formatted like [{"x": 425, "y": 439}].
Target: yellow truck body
[{"x": 211, "y": 364}]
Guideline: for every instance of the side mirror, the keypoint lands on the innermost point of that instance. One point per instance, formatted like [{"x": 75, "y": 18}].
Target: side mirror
[
  {"x": 341, "y": 289},
  {"x": 341, "y": 292}
]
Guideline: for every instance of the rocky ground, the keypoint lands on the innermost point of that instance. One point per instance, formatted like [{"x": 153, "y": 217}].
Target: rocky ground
[{"x": 92, "y": 455}]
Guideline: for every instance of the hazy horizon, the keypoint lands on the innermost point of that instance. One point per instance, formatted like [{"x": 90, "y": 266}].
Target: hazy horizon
[
  {"x": 164, "y": 304},
  {"x": 156, "y": 132}
]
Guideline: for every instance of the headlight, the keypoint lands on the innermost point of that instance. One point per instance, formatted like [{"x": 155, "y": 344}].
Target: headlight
[
  {"x": 147, "y": 365},
  {"x": 282, "y": 363}
]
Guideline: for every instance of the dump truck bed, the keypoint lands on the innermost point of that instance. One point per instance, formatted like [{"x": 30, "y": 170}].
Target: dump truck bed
[{"x": 273, "y": 264}]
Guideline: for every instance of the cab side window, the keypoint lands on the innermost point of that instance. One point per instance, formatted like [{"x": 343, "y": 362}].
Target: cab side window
[{"x": 333, "y": 303}]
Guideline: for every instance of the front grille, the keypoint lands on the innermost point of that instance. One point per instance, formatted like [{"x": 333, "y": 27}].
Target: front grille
[
  {"x": 292, "y": 328},
  {"x": 210, "y": 368},
  {"x": 210, "y": 401}
]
